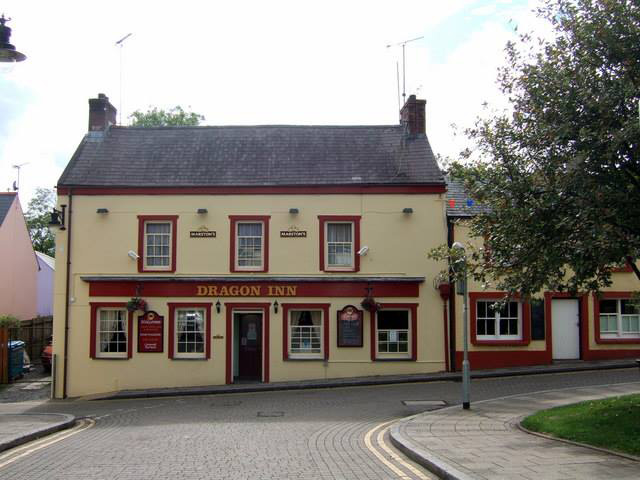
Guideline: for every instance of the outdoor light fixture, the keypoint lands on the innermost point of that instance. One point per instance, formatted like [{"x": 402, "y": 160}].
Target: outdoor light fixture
[
  {"x": 133, "y": 255},
  {"x": 294, "y": 211},
  {"x": 102, "y": 210},
  {"x": 275, "y": 306},
  {"x": 218, "y": 306},
  {"x": 407, "y": 210},
  {"x": 202, "y": 211},
  {"x": 461, "y": 288},
  {"x": 8, "y": 53},
  {"x": 57, "y": 219}
]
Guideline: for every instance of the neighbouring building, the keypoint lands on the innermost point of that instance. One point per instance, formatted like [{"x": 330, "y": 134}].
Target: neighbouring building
[
  {"x": 18, "y": 263},
  {"x": 554, "y": 327},
  {"x": 45, "y": 278},
  {"x": 254, "y": 249}
]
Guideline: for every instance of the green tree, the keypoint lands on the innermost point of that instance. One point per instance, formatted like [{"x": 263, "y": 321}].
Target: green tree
[
  {"x": 37, "y": 217},
  {"x": 560, "y": 172},
  {"x": 174, "y": 117}
]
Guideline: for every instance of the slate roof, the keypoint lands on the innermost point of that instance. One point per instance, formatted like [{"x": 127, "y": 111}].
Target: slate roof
[
  {"x": 252, "y": 156},
  {"x": 6, "y": 199},
  {"x": 461, "y": 208}
]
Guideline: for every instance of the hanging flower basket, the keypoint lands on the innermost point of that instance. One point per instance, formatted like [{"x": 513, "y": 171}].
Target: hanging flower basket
[
  {"x": 370, "y": 304},
  {"x": 137, "y": 303}
]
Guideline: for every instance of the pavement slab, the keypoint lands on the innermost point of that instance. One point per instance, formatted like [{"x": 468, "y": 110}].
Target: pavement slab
[{"x": 485, "y": 442}]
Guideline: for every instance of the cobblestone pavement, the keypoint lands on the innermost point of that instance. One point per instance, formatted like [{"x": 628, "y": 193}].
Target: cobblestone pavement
[
  {"x": 311, "y": 434},
  {"x": 35, "y": 385},
  {"x": 485, "y": 442}
]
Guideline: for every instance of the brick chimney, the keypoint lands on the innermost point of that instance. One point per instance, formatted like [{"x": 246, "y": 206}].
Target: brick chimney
[
  {"x": 101, "y": 113},
  {"x": 412, "y": 115}
]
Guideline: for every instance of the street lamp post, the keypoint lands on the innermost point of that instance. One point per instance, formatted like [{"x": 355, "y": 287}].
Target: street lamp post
[{"x": 461, "y": 289}]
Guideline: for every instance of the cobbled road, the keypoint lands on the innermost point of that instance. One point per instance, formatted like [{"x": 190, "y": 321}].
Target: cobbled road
[{"x": 312, "y": 434}]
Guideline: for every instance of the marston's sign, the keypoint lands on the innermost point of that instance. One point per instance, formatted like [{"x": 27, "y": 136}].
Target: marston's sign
[
  {"x": 202, "y": 234},
  {"x": 246, "y": 290},
  {"x": 293, "y": 234}
]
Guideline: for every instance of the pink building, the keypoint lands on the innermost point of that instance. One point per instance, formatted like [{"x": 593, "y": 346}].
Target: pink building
[{"x": 18, "y": 262}]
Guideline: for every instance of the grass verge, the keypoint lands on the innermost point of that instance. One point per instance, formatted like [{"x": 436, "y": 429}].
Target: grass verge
[{"x": 612, "y": 423}]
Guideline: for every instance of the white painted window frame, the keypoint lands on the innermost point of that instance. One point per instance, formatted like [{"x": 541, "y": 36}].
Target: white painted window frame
[
  {"x": 496, "y": 318},
  {"x": 176, "y": 333},
  {"x": 249, "y": 268},
  {"x": 306, "y": 355},
  {"x": 338, "y": 268},
  {"x": 99, "y": 352},
  {"x": 159, "y": 268}
]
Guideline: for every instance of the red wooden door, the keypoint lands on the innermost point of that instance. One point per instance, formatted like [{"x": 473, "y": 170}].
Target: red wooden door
[{"x": 250, "y": 348}]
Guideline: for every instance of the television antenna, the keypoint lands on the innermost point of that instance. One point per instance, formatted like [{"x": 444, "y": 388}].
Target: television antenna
[
  {"x": 120, "y": 43},
  {"x": 16, "y": 184},
  {"x": 403, "y": 44}
]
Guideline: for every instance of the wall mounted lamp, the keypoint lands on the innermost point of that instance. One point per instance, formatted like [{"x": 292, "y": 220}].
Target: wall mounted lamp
[
  {"x": 102, "y": 211},
  {"x": 218, "y": 306},
  {"x": 8, "y": 53},
  {"x": 407, "y": 210},
  {"x": 275, "y": 306},
  {"x": 202, "y": 211},
  {"x": 294, "y": 211},
  {"x": 57, "y": 219}
]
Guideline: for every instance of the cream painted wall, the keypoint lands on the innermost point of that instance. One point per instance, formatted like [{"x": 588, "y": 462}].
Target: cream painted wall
[
  {"x": 397, "y": 242},
  {"x": 19, "y": 266}
]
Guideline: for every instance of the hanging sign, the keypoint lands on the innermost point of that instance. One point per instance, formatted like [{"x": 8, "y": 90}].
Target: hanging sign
[
  {"x": 350, "y": 327},
  {"x": 150, "y": 333}
]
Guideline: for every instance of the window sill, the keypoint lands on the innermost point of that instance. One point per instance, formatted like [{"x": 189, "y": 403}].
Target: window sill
[
  {"x": 614, "y": 341},
  {"x": 191, "y": 359},
  {"x": 309, "y": 359},
  {"x": 504, "y": 343},
  {"x": 403, "y": 359},
  {"x": 110, "y": 358}
]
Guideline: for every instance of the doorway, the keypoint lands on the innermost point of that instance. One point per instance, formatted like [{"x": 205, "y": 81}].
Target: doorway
[
  {"x": 565, "y": 328},
  {"x": 247, "y": 347}
]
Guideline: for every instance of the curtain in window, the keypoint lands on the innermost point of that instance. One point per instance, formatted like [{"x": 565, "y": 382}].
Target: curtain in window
[
  {"x": 113, "y": 337},
  {"x": 249, "y": 244},
  {"x": 158, "y": 236},
  {"x": 190, "y": 331},
  {"x": 339, "y": 244}
]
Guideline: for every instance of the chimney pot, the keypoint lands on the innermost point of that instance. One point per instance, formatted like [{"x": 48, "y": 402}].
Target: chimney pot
[
  {"x": 101, "y": 113},
  {"x": 413, "y": 116}
]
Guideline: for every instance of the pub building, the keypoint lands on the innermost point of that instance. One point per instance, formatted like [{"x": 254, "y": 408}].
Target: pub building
[
  {"x": 192, "y": 256},
  {"x": 215, "y": 255}
]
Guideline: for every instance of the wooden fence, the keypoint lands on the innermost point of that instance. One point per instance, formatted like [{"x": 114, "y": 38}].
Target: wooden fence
[{"x": 35, "y": 334}]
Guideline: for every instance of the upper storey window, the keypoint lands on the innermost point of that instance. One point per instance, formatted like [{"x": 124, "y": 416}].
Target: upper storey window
[
  {"x": 339, "y": 243},
  {"x": 249, "y": 243},
  {"x": 157, "y": 243}
]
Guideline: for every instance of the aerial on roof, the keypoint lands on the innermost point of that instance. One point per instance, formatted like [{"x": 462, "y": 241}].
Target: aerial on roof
[
  {"x": 252, "y": 156},
  {"x": 6, "y": 199}
]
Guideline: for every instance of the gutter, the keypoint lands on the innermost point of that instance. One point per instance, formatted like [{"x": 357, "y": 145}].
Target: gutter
[{"x": 66, "y": 297}]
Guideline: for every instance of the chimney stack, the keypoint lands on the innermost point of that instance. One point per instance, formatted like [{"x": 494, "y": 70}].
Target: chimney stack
[
  {"x": 412, "y": 115},
  {"x": 101, "y": 113}
]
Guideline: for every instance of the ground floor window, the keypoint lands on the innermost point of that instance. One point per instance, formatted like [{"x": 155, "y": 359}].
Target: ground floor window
[
  {"x": 112, "y": 332},
  {"x": 393, "y": 333},
  {"x": 498, "y": 321},
  {"x": 305, "y": 334},
  {"x": 619, "y": 318},
  {"x": 189, "y": 331}
]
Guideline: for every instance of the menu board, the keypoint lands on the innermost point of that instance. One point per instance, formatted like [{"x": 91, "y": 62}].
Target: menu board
[
  {"x": 350, "y": 327},
  {"x": 150, "y": 333}
]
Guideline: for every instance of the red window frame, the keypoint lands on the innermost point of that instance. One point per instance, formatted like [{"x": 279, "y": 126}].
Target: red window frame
[
  {"x": 234, "y": 220},
  {"x": 413, "y": 308},
  {"x": 141, "y": 250},
  {"x": 473, "y": 309},
  {"x": 95, "y": 306},
  {"x": 207, "y": 328},
  {"x": 355, "y": 219},
  {"x": 286, "y": 308},
  {"x": 596, "y": 317}
]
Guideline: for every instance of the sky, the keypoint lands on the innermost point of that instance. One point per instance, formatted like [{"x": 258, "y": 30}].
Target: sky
[{"x": 245, "y": 62}]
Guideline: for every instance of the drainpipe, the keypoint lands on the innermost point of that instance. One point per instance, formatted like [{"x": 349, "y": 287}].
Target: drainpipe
[{"x": 66, "y": 297}]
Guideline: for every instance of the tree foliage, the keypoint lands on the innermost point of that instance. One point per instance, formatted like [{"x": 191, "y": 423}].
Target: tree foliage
[
  {"x": 174, "y": 117},
  {"x": 560, "y": 172},
  {"x": 37, "y": 217}
]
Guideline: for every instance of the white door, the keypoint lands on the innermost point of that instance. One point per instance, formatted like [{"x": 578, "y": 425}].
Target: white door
[{"x": 565, "y": 325}]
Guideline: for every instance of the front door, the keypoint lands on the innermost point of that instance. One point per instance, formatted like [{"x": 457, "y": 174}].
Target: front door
[
  {"x": 565, "y": 326},
  {"x": 249, "y": 346}
]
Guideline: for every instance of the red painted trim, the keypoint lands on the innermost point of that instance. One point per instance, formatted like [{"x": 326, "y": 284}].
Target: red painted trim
[
  {"x": 596, "y": 319},
  {"x": 261, "y": 190},
  {"x": 302, "y": 306},
  {"x": 233, "y": 221},
  {"x": 613, "y": 354},
  {"x": 481, "y": 360},
  {"x": 207, "y": 325},
  {"x": 625, "y": 269},
  {"x": 95, "y": 306},
  {"x": 174, "y": 235},
  {"x": 239, "y": 307},
  {"x": 189, "y": 288},
  {"x": 323, "y": 219},
  {"x": 413, "y": 308},
  {"x": 526, "y": 320},
  {"x": 446, "y": 335},
  {"x": 584, "y": 322},
  {"x": 372, "y": 329}
]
